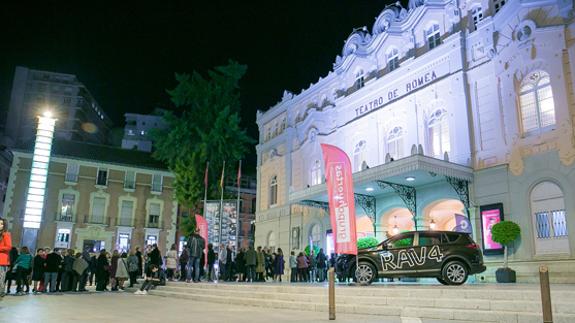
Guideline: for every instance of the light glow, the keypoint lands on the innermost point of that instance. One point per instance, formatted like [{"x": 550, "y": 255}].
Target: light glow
[
  {"x": 39, "y": 171},
  {"x": 410, "y": 178},
  {"x": 369, "y": 189}
]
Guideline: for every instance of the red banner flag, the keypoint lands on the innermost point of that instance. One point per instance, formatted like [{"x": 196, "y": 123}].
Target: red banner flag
[
  {"x": 202, "y": 225},
  {"x": 341, "y": 200}
]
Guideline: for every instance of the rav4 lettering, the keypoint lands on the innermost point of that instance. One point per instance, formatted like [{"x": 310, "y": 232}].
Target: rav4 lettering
[{"x": 409, "y": 257}]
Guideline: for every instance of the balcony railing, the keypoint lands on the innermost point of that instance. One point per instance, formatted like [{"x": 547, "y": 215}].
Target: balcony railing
[
  {"x": 64, "y": 218},
  {"x": 96, "y": 220},
  {"x": 125, "y": 222},
  {"x": 71, "y": 178}
]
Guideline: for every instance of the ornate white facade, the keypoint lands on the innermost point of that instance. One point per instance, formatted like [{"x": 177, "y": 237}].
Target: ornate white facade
[{"x": 442, "y": 107}]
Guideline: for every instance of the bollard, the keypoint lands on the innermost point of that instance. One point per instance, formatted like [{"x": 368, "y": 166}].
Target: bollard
[
  {"x": 545, "y": 294},
  {"x": 331, "y": 279}
]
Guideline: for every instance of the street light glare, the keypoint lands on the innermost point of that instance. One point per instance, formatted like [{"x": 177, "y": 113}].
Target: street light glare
[{"x": 47, "y": 114}]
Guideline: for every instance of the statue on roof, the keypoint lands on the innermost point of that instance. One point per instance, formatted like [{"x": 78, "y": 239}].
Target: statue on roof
[{"x": 412, "y": 4}]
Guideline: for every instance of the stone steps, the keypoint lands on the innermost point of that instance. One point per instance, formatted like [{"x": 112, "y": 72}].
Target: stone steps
[
  {"x": 452, "y": 302},
  {"x": 471, "y": 303}
]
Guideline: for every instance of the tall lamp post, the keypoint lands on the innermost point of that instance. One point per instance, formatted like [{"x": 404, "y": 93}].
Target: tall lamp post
[{"x": 38, "y": 178}]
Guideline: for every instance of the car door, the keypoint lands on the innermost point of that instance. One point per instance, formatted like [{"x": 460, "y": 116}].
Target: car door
[
  {"x": 428, "y": 254},
  {"x": 394, "y": 254}
]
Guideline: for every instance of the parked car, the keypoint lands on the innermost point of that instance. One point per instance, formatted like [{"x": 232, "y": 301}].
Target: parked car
[{"x": 448, "y": 256}]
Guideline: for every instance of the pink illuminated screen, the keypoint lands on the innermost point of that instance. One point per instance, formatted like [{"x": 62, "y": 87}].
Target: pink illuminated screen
[{"x": 489, "y": 219}]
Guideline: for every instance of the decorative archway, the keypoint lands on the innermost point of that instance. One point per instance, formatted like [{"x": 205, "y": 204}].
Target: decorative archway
[
  {"x": 395, "y": 221},
  {"x": 364, "y": 227},
  {"x": 440, "y": 215}
]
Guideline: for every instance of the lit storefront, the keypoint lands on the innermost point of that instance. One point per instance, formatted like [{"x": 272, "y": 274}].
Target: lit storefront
[{"x": 445, "y": 111}]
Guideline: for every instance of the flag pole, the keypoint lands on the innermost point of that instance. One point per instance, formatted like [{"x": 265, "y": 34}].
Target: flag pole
[
  {"x": 222, "y": 202},
  {"x": 206, "y": 187},
  {"x": 238, "y": 211}
]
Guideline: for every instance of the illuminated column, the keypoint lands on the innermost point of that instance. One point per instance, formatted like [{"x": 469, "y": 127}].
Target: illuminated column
[{"x": 38, "y": 178}]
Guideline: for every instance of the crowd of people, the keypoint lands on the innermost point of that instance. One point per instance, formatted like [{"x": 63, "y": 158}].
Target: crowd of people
[{"x": 65, "y": 270}]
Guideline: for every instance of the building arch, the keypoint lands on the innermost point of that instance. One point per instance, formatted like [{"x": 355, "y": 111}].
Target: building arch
[
  {"x": 396, "y": 220},
  {"x": 549, "y": 218},
  {"x": 440, "y": 214}
]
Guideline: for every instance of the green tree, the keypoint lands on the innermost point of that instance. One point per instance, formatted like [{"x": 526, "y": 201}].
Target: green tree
[
  {"x": 505, "y": 232},
  {"x": 205, "y": 127}
]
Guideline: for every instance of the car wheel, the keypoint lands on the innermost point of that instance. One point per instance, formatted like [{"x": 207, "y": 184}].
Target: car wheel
[
  {"x": 455, "y": 273},
  {"x": 443, "y": 282},
  {"x": 365, "y": 273}
]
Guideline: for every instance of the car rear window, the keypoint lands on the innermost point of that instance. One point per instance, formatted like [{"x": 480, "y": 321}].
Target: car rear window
[
  {"x": 429, "y": 239},
  {"x": 450, "y": 237}
]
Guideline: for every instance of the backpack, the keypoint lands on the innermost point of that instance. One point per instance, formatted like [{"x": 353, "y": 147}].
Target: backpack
[{"x": 132, "y": 266}]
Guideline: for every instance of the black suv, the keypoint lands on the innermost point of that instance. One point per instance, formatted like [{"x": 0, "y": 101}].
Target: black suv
[{"x": 448, "y": 256}]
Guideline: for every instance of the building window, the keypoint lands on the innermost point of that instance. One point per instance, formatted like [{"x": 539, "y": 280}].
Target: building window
[
  {"x": 359, "y": 80},
  {"x": 477, "y": 15},
  {"x": 151, "y": 240},
  {"x": 123, "y": 242},
  {"x": 72, "y": 171},
  {"x": 126, "y": 211},
  {"x": 271, "y": 240},
  {"x": 392, "y": 59},
  {"x": 130, "y": 180},
  {"x": 549, "y": 219},
  {"x": 315, "y": 235},
  {"x": 395, "y": 143},
  {"x": 498, "y": 4},
  {"x": 63, "y": 238},
  {"x": 98, "y": 209},
  {"x": 274, "y": 191},
  {"x": 102, "y": 178},
  {"x": 438, "y": 127},
  {"x": 157, "y": 183},
  {"x": 536, "y": 101},
  {"x": 433, "y": 37},
  {"x": 359, "y": 155},
  {"x": 66, "y": 212},
  {"x": 316, "y": 173},
  {"x": 154, "y": 215}
]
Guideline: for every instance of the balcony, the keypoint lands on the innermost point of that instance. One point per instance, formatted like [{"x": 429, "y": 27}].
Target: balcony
[
  {"x": 96, "y": 220},
  {"x": 64, "y": 218},
  {"x": 124, "y": 222}
]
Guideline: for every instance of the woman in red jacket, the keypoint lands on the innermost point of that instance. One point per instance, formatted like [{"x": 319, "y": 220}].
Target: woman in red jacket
[{"x": 5, "y": 246}]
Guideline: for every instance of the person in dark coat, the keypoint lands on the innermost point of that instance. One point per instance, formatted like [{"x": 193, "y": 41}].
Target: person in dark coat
[
  {"x": 251, "y": 261},
  {"x": 211, "y": 261},
  {"x": 140, "y": 261},
  {"x": 102, "y": 271},
  {"x": 321, "y": 265},
  {"x": 229, "y": 264},
  {"x": 52, "y": 265},
  {"x": 93, "y": 264},
  {"x": 155, "y": 256},
  {"x": 38, "y": 269},
  {"x": 241, "y": 265},
  {"x": 196, "y": 247},
  {"x": 279, "y": 265},
  {"x": 113, "y": 269},
  {"x": 68, "y": 277},
  {"x": 11, "y": 273},
  {"x": 184, "y": 258}
]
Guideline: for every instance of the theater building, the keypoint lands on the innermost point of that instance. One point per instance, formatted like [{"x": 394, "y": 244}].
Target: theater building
[
  {"x": 447, "y": 110},
  {"x": 97, "y": 197}
]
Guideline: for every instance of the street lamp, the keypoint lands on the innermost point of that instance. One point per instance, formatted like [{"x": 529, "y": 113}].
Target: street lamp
[
  {"x": 38, "y": 178},
  {"x": 432, "y": 224}
]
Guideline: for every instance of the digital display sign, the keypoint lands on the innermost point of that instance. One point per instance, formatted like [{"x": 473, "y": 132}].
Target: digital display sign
[{"x": 490, "y": 215}]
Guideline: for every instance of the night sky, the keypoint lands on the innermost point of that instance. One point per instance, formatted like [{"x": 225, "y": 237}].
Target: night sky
[{"x": 126, "y": 53}]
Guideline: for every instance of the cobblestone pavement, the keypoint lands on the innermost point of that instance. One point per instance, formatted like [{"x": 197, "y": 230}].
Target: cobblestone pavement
[{"x": 126, "y": 307}]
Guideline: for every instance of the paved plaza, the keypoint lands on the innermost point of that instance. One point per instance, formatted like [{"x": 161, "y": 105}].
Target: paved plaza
[{"x": 126, "y": 307}]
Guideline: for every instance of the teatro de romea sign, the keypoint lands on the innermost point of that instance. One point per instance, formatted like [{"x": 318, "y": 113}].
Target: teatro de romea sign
[{"x": 394, "y": 93}]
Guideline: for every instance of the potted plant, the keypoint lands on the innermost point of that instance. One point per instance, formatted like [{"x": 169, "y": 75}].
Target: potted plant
[
  {"x": 504, "y": 233},
  {"x": 367, "y": 242}
]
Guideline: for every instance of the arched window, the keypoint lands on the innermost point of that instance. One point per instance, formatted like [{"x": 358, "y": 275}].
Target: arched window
[
  {"x": 394, "y": 142},
  {"x": 315, "y": 235},
  {"x": 549, "y": 219},
  {"x": 476, "y": 15},
  {"x": 271, "y": 240},
  {"x": 316, "y": 173},
  {"x": 392, "y": 59},
  {"x": 359, "y": 155},
  {"x": 274, "y": 191},
  {"x": 433, "y": 36},
  {"x": 359, "y": 79},
  {"x": 536, "y": 101},
  {"x": 438, "y": 130}
]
